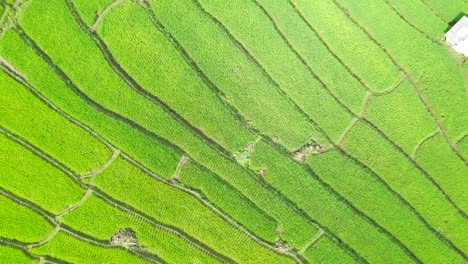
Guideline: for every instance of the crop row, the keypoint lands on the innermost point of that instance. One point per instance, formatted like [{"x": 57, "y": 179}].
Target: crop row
[
  {"x": 218, "y": 164},
  {"x": 441, "y": 162},
  {"x": 367, "y": 192},
  {"x": 431, "y": 88},
  {"x": 99, "y": 219},
  {"x": 404, "y": 178},
  {"x": 176, "y": 200},
  {"x": 44, "y": 205}
]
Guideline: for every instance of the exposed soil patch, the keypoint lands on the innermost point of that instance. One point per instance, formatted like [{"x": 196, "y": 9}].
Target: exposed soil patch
[
  {"x": 308, "y": 149},
  {"x": 282, "y": 246},
  {"x": 126, "y": 237}
]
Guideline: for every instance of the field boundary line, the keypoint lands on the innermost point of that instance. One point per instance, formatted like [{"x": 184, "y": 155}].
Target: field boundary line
[
  {"x": 47, "y": 238},
  {"x": 94, "y": 134},
  {"x": 414, "y": 83},
  {"x": 296, "y": 208},
  {"x": 391, "y": 89},
  {"x": 11, "y": 68},
  {"x": 314, "y": 241},
  {"x": 402, "y": 17},
  {"x": 19, "y": 245},
  {"x": 94, "y": 172},
  {"x": 101, "y": 15},
  {"x": 184, "y": 160},
  {"x": 434, "y": 12},
  {"x": 74, "y": 206},
  {"x": 365, "y": 105},
  {"x": 424, "y": 140},
  {"x": 460, "y": 138},
  {"x": 346, "y": 131},
  {"x": 410, "y": 78},
  {"x": 328, "y": 46},
  {"x": 132, "y": 83},
  {"x": 119, "y": 70}
]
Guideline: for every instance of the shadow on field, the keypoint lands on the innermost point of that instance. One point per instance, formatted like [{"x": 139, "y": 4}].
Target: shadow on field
[{"x": 454, "y": 21}]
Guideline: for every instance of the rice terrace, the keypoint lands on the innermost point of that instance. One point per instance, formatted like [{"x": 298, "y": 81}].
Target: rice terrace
[{"x": 233, "y": 131}]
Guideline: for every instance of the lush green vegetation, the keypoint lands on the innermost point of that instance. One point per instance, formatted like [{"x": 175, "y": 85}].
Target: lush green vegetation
[{"x": 242, "y": 131}]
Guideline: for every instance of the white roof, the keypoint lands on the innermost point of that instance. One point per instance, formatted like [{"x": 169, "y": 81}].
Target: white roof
[{"x": 457, "y": 36}]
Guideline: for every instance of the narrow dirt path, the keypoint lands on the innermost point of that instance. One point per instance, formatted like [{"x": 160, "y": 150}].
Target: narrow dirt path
[
  {"x": 180, "y": 166},
  {"x": 104, "y": 166},
  {"x": 314, "y": 241},
  {"x": 10, "y": 67},
  {"x": 424, "y": 140},
  {"x": 100, "y": 16},
  {"x": 74, "y": 206},
  {"x": 47, "y": 238}
]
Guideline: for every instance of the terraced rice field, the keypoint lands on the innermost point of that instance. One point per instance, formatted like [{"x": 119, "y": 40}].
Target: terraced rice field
[{"x": 241, "y": 131}]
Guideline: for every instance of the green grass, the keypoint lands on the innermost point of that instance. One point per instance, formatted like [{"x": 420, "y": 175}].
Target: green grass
[
  {"x": 143, "y": 147},
  {"x": 448, "y": 12},
  {"x": 226, "y": 65},
  {"x": 101, "y": 220},
  {"x": 124, "y": 136},
  {"x": 328, "y": 252},
  {"x": 184, "y": 89},
  {"x": 428, "y": 63},
  {"x": 320, "y": 59},
  {"x": 172, "y": 80},
  {"x": 26, "y": 175},
  {"x": 365, "y": 191},
  {"x": 350, "y": 44},
  {"x": 68, "y": 248},
  {"x": 22, "y": 113},
  {"x": 173, "y": 207},
  {"x": 280, "y": 62},
  {"x": 421, "y": 17},
  {"x": 413, "y": 122},
  {"x": 322, "y": 206},
  {"x": 14, "y": 255},
  {"x": 230, "y": 201},
  {"x": 404, "y": 178},
  {"x": 20, "y": 223},
  {"x": 439, "y": 160}
]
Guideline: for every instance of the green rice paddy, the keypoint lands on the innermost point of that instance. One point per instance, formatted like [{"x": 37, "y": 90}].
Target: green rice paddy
[{"x": 241, "y": 131}]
